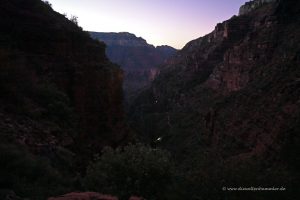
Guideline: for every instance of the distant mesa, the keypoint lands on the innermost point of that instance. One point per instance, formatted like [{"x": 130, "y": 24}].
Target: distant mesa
[{"x": 122, "y": 39}]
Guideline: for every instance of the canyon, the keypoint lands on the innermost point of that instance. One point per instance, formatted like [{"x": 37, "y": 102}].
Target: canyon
[
  {"x": 139, "y": 60},
  {"x": 222, "y": 112}
]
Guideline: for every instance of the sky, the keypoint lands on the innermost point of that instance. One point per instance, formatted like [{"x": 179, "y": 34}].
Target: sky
[{"x": 160, "y": 22}]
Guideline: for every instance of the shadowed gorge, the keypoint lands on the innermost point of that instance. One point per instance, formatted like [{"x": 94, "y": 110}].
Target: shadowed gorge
[{"x": 139, "y": 60}]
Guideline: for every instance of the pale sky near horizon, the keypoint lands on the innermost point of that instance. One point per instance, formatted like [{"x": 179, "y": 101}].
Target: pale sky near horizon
[{"x": 160, "y": 22}]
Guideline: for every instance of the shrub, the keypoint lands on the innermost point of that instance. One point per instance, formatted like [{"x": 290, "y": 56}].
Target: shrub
[
  {"x": 132, "y": 170},
  {"x": 28, "y": 175},
  {"x": 74, "y": 19},
  {"x": 48, "y": 3},
  {"x": 56, "y": 103}
]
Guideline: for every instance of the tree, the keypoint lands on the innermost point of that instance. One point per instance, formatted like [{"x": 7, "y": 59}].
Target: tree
[
  {"x": 74, "y": 19},
  {"x": 48, "y": 3}
]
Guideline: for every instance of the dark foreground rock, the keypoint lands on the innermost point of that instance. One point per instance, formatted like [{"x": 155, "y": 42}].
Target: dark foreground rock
[
  {"x": 84, "y": 196},
  {"x": 88, "y": 196}
]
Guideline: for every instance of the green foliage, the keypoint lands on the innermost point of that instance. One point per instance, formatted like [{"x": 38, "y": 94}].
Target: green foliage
[
  {"x": 28, "y": 175},
  {"x": 56, "y": 103},
  {"x": 132, "y": 170},
  {"x": 199, "y": 175},
  {"x": 203, "y": 174}
]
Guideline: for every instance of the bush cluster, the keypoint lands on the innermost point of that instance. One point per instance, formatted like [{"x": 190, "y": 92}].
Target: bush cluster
[
  {"x": 28, "y": 175},
  {"x": 131, "y": 170}
]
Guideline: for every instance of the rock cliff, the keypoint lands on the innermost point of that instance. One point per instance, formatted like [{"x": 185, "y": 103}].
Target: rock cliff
[
  {"x": 50, "y": 51},
  {"x": 233, "y": 93},
  {"x": 61, "y": 98}
]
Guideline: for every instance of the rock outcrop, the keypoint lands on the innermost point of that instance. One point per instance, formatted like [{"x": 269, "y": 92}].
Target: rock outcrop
[
  {"x": 138, "y": 59},
  {"x": 84, "y": 196},
  {"x": 89, "y": 196},
  {"x": 253, "y": 5}
]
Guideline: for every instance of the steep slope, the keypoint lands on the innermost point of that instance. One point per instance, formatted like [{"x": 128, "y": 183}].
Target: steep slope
[
  {"x": 61, "y": 98},
  {"x": 230, "y": 101},
  {"x": 137, "y": 58}
]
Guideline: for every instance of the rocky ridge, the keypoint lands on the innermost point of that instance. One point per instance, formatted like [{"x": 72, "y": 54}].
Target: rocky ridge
[
  {"x": 119, "y": 39},
  {"x": 253, "y": 5},
  {"x": 233, "y": 94}
]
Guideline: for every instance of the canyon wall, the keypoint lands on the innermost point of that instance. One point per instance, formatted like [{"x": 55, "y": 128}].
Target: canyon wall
[
  {"x": 58, "y": 88},
  {"x": 233, "y": 94}
]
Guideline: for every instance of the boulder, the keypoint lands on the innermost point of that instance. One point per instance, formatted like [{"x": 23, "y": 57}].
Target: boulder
[{"x": 84, "y": 196}]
